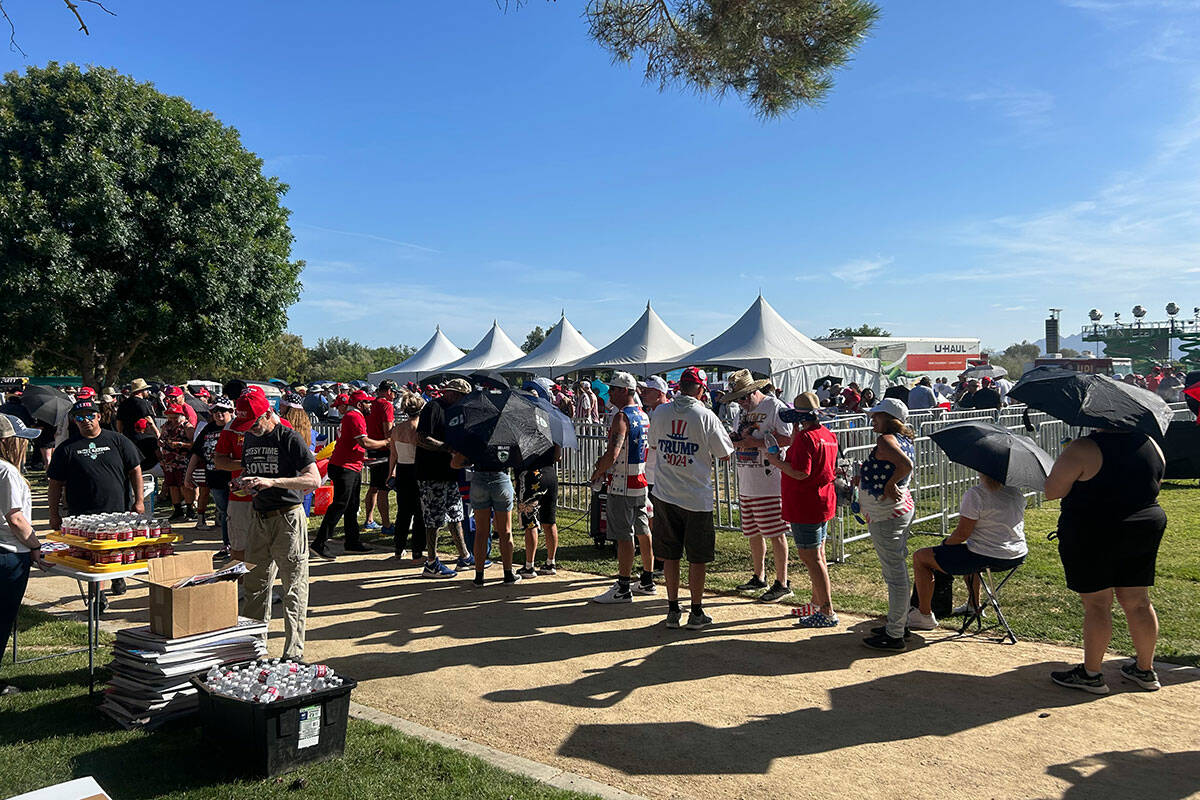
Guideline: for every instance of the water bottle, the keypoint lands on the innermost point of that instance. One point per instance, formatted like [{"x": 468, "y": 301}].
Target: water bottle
[{"x": 772, "y": 443}]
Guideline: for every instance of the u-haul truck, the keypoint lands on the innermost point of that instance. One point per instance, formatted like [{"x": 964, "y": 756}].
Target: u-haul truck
[{"x": 908, "y": 357}]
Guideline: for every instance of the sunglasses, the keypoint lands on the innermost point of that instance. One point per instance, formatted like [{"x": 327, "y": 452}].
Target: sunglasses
[{"x": 85, "y": 417}]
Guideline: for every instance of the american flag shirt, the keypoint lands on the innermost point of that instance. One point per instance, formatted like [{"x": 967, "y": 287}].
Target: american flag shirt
[{"x": 873, "y": 477}]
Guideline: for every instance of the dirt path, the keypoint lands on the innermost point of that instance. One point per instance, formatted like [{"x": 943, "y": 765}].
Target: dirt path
[{"x": 750, "y": 708}]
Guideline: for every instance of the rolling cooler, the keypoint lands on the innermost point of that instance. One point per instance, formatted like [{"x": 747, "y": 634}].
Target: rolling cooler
[
  {"x": 266, "y": 739},
  {"x": 598, "y": 517}
]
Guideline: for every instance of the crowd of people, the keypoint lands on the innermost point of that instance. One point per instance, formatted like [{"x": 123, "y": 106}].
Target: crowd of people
[{"x": 258, "y": 465}]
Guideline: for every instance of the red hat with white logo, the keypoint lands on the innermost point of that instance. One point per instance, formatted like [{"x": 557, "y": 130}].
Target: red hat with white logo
[
  {"x": 173, "y": 391},
  {"x": 250, "y": 406},
  {"x": 358, "y": 395},
  {"x": 85, "y": 392},
  {"x": 694, "y": 375},
  {"x": 341, "y": 400}
]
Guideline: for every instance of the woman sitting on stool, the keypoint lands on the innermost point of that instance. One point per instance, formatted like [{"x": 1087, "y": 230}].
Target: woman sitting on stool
[{"x": 990, "y": 535}]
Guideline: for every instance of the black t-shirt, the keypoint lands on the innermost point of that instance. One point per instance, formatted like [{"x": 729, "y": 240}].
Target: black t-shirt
[
  {"x": 433, "y": 465},
  {"x": 987, "y": 397},
  {"x": 204, "y": 446},
  {"x": 278, "y": 454},
  {"x": 147, "y": 445},
  {"x": 96, "y": 472},
  {"x": 131, "y": 410}
]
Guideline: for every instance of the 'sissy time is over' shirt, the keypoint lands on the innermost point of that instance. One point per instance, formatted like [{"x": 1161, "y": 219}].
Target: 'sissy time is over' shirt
[{"x": 278, "y": 454}]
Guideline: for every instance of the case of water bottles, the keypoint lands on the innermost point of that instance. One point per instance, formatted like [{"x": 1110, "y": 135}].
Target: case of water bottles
[
  {"x": 112, "y": 542},
  {"x": 275, "y": 715}
]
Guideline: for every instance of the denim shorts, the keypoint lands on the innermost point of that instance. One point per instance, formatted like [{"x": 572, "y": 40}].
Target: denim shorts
[
  {"x": 809, "y": 536},
  {"x": 491, "y": 491}
]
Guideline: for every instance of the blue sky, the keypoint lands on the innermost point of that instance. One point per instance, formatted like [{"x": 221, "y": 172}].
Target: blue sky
[{"x": 975, "y": 165}]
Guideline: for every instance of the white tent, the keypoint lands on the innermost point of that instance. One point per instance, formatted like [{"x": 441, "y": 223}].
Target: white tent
[
  {"x": 494, "y": 349},
  {"x": 647, "y": 347},
  {"x": 765, "y": 343},
  {"x": 556, "y": 355},
  {"x": 435, "y": 354}
]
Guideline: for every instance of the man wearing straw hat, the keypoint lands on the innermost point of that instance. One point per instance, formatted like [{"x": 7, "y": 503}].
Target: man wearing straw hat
[{"x": 758, "y": 430}]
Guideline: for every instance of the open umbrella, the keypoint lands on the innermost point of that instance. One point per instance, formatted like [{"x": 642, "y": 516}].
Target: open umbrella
[
  {"x": 46, "y": 404},
  {"x": 1093, "y": 401},
  {"x": 490, "y": 378},
  {"x": 499, "y": 430},
  {"x": 995, "y": 451},
  {"x": 196, "y": 403},
  {"x": 983, "y": 371},
  {"x": 1191, "y": 396},
  {"x": 562, "y": 429},
  {"x": 315, "y": 403}
]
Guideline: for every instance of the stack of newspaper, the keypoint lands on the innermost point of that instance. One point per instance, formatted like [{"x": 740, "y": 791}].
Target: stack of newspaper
[{"x": 151, "y": 674}]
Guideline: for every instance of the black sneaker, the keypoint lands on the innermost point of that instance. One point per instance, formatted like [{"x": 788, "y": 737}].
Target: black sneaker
[
  {"x": 512, "y": 577},
  {"x": 751, "y": 585},
  {"x": 223, "y": 555},
  {"x": 323, "y": 552},
  {"x": 698, "y": 620},
  {"x": 527, "y": 572},
  {"x": 547, "y": 569},
  {"x": 189, "y": 512},
  {"x": 357, "y": 547},
  {"x": 882, "y": 631},
  {"x": 178, "y": 516},
  {"x": 118, "y": 587},
  {"x": 776, "y": 593},
  {"x": 882, "y": 641},
  {"x": 1077, "y": 678},
  {"x": 1145, "y": 678}
]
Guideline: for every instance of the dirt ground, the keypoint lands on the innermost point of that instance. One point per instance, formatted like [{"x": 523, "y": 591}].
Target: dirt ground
[{"x": 751, "y": 707}]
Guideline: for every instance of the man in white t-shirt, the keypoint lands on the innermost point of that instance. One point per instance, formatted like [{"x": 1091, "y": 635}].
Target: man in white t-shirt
[
  {"x": 758, "y": 430},
  {"x": 686, "y": 437}
]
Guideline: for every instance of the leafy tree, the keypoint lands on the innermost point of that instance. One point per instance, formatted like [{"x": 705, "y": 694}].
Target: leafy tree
[
  {"x": 775, "y": 54},
  {"x": 1068, "y": 352},
  {"x": 535, "y": 338},
  {"x": 861, "y": 330},
  {"x": 134, "y": 230},
  {"x": 286, "y": 357},
  {"x": 1014, "y": 357},
  {"x": 385, "y": 357}
]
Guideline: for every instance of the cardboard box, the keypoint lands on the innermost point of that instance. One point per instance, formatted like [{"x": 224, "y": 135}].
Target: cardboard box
[{"x": 192, "y": 609}]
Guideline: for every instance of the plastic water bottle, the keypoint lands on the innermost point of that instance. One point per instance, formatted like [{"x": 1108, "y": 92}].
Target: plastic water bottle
[{"x": 772, "y": 443}]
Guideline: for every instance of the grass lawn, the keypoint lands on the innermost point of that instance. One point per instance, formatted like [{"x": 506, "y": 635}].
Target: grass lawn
[
  {"x": 51, "y": 733},
  {"x": 1037, "y": 602}
]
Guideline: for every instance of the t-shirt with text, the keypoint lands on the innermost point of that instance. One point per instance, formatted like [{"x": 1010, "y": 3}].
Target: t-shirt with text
[
  {"x": 95, "y": 472},
  {"x": 687, "y": 436},
  {"x": 756, "y": 477},
  {"x": 281, "y": 453}
]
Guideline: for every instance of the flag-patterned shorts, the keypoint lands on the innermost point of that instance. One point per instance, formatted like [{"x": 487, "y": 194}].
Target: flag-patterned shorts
[{"x": 762, "y": 516}]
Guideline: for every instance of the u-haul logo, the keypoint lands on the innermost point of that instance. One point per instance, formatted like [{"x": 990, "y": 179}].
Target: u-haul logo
[{"x": 949, "y": 348}]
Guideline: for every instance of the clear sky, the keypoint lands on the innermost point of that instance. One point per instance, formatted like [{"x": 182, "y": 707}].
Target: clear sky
[{"x": 450, "y": 163}]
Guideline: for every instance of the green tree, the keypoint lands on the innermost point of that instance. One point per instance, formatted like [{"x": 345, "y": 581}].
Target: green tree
[
  {"x": 861, "y": 330},
  {"x": 284, "y": 357},
  {"x": 775, "y": 54},
  {"x": 534, "y": 338},
  {"x": 384, "y": 357},
  {"x": 134, "y": 229},
  {"x": 1068, "y": 352},
  {"x": 1014, "y": 357}
]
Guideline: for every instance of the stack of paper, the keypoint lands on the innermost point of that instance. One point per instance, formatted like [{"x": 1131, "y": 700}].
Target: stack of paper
[{"x": 151, "y": 674}]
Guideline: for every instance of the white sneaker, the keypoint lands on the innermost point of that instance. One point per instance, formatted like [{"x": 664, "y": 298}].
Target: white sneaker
[
  {"x": 614, "y": 595},
  {"x": 921, "y": 622},
  {"x": 646, "y": 590}
]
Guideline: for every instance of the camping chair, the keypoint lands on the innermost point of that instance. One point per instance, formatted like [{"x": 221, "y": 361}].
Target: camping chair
[{"x": 991, "y": 588}]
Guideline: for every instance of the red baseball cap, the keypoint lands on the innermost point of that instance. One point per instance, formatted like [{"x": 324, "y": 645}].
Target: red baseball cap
[
  {"x": 250, "y": 406},
  {"x": 342, "y": 400},
  {"x": 173, "y": 391},
  {"x": 694, "y": 375},
  {"x": 176, "y": 408},
  {"x": 358, "y": 396},
  {"x": 85, "y": 392},
  {"x": 141, "y": 425}
]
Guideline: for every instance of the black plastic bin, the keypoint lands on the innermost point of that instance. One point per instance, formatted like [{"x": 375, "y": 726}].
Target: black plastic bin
[{"x": 267, "y": 739}]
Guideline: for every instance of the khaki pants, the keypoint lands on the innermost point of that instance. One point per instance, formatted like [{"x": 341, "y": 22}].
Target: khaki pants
[{"x": 279, "y": 542}]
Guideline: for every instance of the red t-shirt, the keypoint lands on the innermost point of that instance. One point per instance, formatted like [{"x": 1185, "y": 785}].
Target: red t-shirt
[
  {"x": 812, "y": 500},
  {"x": 379, "y": 421},
  {"x": 229, "y": 444},
  {"x": 348, "y": 452}
]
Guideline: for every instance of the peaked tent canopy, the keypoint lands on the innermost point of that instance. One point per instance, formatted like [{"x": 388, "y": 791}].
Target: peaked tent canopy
[
  {"x": 556, "y": 355},
  {"x": 765, "y": 343},
  {"x": 435, "y": 354},
  {"x": 494, "y": 349},
  {"x": 647, "y": 347}
]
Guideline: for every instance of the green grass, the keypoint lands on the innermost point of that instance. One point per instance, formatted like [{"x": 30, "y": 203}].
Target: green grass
[
  {"x": 51, "y": 732},
  {"x": 1037, "y": 602}
]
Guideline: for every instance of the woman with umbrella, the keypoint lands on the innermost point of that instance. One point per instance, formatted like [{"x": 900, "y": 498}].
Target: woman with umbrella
[{"x": 1109, "y": 530}]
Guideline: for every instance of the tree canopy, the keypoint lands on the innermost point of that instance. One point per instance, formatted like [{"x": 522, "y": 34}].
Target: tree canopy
[
  {"x": 134, "y": 230},
  {"x": 777, "y": 55},
  {"x": 1015, "y": 357},
  {"x": 861, "y": 330},
  {"x": 534, "y": 338}
]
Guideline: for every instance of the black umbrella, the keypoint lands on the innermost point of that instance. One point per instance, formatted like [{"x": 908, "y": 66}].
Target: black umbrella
[
  {"x": 1093, "y": 401},
  {"x": 46, "y": 403},
  {"x": 315, "y": 403},
  {"x": 562, "y": 429},
  {"x": 498, "y": 430},
  {"x": 489, "y": 378},
  {"x": 196, "y": 403},
  {"x": 983, "y": 371},
  {"x": 996, "y": 452}
]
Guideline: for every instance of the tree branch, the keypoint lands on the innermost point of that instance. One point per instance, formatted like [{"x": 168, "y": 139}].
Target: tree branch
[
  {"x": 12, "y": 32},
  {"x": 75, "y": 10}
]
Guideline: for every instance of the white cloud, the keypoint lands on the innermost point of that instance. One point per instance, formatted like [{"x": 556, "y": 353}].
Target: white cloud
[
  {"x": 858, "y": 271},
  {"x": 1029, "y": 109},
  {"x": 371, "y": 236}
]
